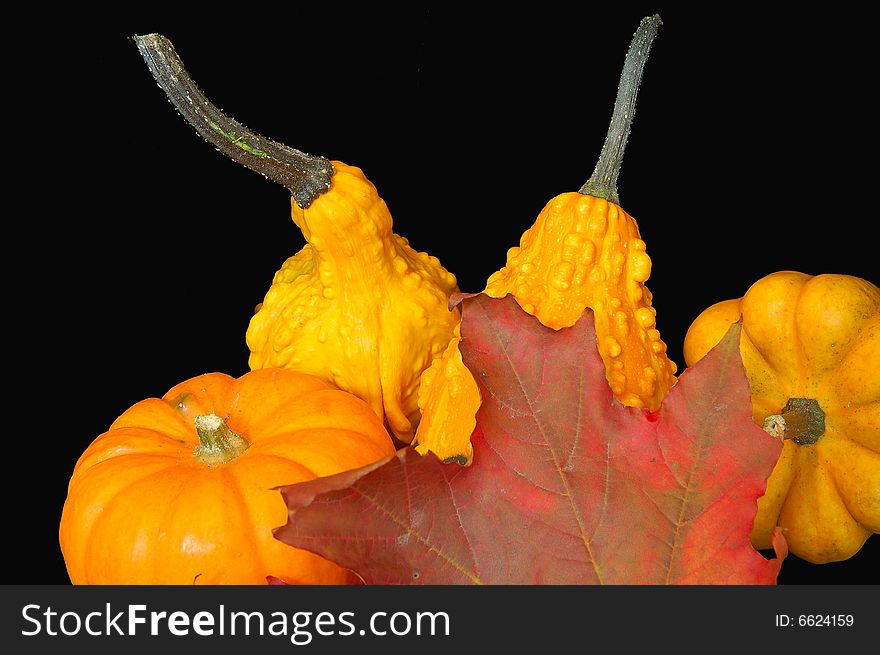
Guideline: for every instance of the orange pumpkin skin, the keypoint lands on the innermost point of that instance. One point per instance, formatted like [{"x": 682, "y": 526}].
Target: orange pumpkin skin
[
  {"x": 143, "y": 509},
  {"x": 818, "y": 338}
]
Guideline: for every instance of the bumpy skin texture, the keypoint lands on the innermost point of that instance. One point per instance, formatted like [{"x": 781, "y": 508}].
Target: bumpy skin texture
[
  {"x": 142, "y": 509},
  {"x": 582, "y": 252},
  {"x": 357, "y": 306},
  {"x": 449, "y": 399},
  {"x": 811, "y": 337}
]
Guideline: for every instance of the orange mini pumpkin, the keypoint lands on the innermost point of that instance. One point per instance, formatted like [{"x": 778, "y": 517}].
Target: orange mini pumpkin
[{"x": 180, "y": 490}]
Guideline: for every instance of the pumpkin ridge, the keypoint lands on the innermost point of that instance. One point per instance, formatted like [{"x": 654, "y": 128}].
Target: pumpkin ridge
[
  {"x": 840, "y": 411},
  {"x": 238, "y": 493},
  {"x": 828, "y": 379},
  {"x": 266, "y": 432},
  {"x": 867, "y": 323},
  {"x": 844, "y": 498},
  {"x": 199, "y": 395},
  {"x": 287, "y": 461},
  {"x": 800, "y": 352},
  {"x": 781, "y": 380},
  {"x": 292, "y": 434},
  {"x": 93, "y": 457},
  {"x": 799, "y": 470},
  {"x": 139, "y": 416},
  {"x": 118, "y": 495},
  {"x": 335, "y": 434},
  {"x": 172, "y": 506}
]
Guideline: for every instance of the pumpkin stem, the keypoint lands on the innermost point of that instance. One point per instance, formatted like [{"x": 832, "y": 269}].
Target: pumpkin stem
[
  {"x": 801, "y": 420},
  {"x": 217, "y": 443},
  {"x": 603, "y": 183},
  {"x": 307, "y": 176}
]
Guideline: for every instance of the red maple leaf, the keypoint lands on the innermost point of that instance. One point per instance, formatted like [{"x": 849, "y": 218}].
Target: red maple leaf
[
  {"x": 568, "y": 486},
  {"x": 274, "y": 581}
]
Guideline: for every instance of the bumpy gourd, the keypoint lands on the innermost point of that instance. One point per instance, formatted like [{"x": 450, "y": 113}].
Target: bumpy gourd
[
  {"x": 584, "y": 251},
  {"x": 449, "y": 399},
  {"x": 811, "y": 350},
  {"x": 180, "y": 490},
  {"x": 356, "y": 306}
]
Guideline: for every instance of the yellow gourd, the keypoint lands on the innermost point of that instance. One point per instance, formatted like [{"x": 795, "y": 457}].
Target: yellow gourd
[
  {"x": 586, "y": 251},
  {"x": 583, "y": 251},
  {"x": 356, "y": 306},
  {"x": 811, "y": 350},
  {"x": 449, "y": 399}
]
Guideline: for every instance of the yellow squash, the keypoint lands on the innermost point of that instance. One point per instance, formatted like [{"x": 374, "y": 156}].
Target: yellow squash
[
  {"x": 583, "y": 251},
  {"x": 811, "y": 349},
  {"x": 449, "y": 399},
  {"x": 356, "y": 306},
  {"x": 586, "y": 251}
]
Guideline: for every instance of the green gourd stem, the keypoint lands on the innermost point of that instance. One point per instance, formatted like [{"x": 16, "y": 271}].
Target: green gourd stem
[
  {"x": 218, "y": 444},
  {"x": 306, "y": 176},
  {"x": 603, "y": 183},
  {"x": 801, "y": 420}
]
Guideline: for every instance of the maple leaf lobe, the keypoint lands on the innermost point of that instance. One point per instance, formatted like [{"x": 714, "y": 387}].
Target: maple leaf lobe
[{"x": 567, "y": 486}]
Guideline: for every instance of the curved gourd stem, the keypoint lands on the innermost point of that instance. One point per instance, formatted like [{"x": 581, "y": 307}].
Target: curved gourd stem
[
  {"x": 307, "y": 176},
  {"x": 603, "y": 183}
]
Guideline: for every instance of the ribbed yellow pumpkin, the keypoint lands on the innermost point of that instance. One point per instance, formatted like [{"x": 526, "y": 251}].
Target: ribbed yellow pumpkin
[{"x": 811, "y": 349}]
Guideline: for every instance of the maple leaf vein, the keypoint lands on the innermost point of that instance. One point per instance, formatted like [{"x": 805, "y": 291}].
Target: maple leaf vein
[
  {"x": 423, "y": 540},
  {"x": 562, "y": 476},
  {"x": 699, "y": 447},
  {"x": 464, "y": 532}
]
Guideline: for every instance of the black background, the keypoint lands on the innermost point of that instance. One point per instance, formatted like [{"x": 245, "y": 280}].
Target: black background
[{"x": 136, "y": 253}]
